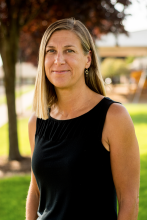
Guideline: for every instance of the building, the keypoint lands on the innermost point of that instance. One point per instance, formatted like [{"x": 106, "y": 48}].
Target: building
[{"x": 135, "y": 44}]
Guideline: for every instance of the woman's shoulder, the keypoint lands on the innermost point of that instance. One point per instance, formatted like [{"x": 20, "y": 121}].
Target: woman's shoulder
[
  {"x": 116, "y": 112},
  {"x": 116, "y": 109},
  {"x": 119, "y": 117}
]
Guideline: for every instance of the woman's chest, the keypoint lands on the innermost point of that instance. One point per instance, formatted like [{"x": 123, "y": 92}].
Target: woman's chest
[{"x": 67, "y": 160}]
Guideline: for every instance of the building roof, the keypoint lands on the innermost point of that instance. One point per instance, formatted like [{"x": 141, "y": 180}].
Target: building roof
[{"x": 135, "y": 39}]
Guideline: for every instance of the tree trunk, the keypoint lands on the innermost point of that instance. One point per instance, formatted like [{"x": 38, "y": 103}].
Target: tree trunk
[{"x": 9, "y": 48}]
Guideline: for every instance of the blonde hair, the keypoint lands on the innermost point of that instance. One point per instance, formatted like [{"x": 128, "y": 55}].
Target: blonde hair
[{"x": 44, "y": 94}]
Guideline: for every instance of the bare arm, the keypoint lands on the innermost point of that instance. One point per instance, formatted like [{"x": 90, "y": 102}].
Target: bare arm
[
  {"x": 33, "y": 193},
  {"x": 125, "y": 161}
]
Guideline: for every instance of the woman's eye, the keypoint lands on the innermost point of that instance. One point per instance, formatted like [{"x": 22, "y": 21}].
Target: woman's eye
[
  {"x": 50, "y": 51},
  {"x": 53, "y": 51},
  {"x": 69, "y": 51}
]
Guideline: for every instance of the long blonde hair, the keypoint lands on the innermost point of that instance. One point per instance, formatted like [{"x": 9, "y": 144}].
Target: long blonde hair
[{"x": 44, "y": 94}]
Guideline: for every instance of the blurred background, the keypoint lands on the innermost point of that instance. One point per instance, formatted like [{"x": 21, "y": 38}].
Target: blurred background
[{"x": 119, "y": 31}]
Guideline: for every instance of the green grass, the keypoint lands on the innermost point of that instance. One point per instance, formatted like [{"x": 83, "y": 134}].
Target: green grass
[
  {"x": 138, "y": 113},
  {"x": 17, "y": 93},
  {"x": 13, "y": 193},
  {"x": 143, "y": 189},
  {"x": 23, "y": 140},
  {"x": 13, "y": 190}
]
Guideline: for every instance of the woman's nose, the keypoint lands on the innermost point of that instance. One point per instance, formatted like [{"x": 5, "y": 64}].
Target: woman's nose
[{"x": 59, "y": 59}]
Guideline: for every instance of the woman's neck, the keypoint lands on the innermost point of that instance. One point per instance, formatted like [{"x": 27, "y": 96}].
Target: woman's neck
[{"x": 71, "y": 101}]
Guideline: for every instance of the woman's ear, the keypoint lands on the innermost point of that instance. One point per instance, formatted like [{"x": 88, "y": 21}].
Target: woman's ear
[{"x": 88, "y": 63}]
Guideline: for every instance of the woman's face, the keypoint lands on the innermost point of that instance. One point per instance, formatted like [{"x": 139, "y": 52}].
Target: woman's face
[{"x": 65, "y": 60}]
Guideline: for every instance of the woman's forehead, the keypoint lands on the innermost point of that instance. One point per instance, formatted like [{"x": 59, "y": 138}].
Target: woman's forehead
[{"x": 64, "y": 37}]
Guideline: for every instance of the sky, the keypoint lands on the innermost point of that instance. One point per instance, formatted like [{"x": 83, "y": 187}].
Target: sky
[{"x": 136, "y": 21}]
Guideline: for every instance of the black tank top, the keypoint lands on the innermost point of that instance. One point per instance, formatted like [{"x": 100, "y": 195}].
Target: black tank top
[{"x": 72, "y": 168}]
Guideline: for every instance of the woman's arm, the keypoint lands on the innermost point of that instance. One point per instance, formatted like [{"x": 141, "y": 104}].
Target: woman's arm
[
  {"x": 125, "y": 161},
  {"x": 32, "y": 200},
  {"x": 33, "y": 193}
]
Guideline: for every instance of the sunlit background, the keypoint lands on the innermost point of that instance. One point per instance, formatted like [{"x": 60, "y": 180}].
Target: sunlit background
[{"x": 123, "y": 64}]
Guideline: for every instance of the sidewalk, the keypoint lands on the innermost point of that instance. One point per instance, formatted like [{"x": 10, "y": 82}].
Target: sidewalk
[{"x": 21, "y": 104}]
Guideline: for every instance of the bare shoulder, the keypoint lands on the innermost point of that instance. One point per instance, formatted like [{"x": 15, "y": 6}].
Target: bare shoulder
[
  {"x": 118, "y": 124},
  {"x": 118, "y": 115},
  {"x": 118, "y": 109},
  {"x": 32, "y": 130}
]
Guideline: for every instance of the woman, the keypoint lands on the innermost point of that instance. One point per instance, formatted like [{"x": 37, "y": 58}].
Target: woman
[{"x": 83, "y": 144}]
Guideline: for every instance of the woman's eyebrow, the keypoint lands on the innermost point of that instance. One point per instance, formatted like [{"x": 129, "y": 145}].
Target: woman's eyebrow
[
  {"x": 69, "y": 46},
  {"x": 50, "y": 46},
  {"x": 64, "y": 46}
]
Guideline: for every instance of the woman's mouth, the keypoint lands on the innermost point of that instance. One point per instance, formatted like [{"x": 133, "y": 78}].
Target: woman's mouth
[{"x": 60, "y": 71}]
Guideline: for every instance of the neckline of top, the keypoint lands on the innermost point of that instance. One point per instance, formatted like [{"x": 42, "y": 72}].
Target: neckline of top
[{"x": 70, "y": 119}]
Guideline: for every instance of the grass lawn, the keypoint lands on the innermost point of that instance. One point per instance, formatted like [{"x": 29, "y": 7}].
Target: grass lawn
[
  {"x": 13, "y": 190},
  {"x": 139, "y": 116},
  {"x": 13, "y": 193},
  {"x": 22, "y": 127}
]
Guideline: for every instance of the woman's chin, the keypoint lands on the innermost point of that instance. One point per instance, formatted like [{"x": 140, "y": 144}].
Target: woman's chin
[{"x": 61, "y": 85}]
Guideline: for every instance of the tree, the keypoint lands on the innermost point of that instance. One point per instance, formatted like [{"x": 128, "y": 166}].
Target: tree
[
  {"x": 23, "y": 23},
  {"x": 99, "y": 16}
]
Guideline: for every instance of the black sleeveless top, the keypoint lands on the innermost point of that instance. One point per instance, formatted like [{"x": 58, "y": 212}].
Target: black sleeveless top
[{"x": 72, "y": 168}]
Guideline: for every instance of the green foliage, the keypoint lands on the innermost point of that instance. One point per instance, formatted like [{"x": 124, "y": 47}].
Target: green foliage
[
  {"x": 129, "y": 60},
  {"x": 113, "y": 67}
]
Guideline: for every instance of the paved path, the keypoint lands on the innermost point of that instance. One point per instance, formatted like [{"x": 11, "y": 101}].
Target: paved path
[{"x": 21, "y": 104}]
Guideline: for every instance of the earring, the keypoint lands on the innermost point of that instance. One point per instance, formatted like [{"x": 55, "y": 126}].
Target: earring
[{"x": 86, "y": 72}]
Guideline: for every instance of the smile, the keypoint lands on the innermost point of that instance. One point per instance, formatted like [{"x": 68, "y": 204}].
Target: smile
[{"x": 61, "y": 71}]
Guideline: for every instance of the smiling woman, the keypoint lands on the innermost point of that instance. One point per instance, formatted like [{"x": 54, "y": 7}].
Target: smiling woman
[
  {"x": 65, "y": 62},
  {"x": 65, "y": 41},
  {"x": 83, "y": 144}
]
